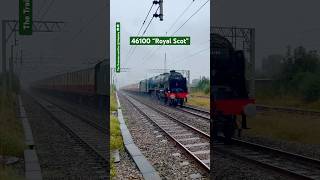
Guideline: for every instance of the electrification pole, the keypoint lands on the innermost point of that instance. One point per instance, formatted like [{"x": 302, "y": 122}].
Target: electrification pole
[
  {"x": 161, "y": 10},
  {"x": 165, "y": 62},
  {"x": 37, "y": 26},
  {"x": 113, "y": 74},
  {"x": 160, "y": 15},
  {"x": 20, "y": 57},
  {"x": 11, "y": 69},
  {"x": 4, "y": 49},
  {"x": 252, "y": 63}
]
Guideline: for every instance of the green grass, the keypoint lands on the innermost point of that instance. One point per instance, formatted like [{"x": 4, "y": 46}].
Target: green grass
[
  {"x": 11, "y": 135},
  {"x": 113, "y": 101},
  {"x": 113, "y": 171},
  {"x": 288, "y": 101},
  {"x": 11, "y": 132},
  {"x": 116, "y": 141},
  {"x": 286, "y": 126},
  {"x": 7, "y": 173},
  {"x": 199, "y": 99},
  {"x": 126, "y": 121},
  {"x": 115, "y": 134},
  {"x": 270, "y": 96}
]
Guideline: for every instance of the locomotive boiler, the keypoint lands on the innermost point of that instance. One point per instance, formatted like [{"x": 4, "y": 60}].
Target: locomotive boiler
[{"x": 168, "y": 87}]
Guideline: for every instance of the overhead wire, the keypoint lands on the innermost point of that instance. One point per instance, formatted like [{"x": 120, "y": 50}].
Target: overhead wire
[
  {"x": 183, "y": 12},
  {"x": 144, "y": 21},
  {"x": 41, "y": 6},
  {"x": 152, "y": 53},
  {"x": 144, "y": 32},
  {"x": 196, "y": 53},
  {"x": 191, "y": 17},
  {"x": 47, "y": 10},
  {"x": 88, "y": 22},
  {"x": 129, "y": 56},
  {"x": 189, "y": 56}
]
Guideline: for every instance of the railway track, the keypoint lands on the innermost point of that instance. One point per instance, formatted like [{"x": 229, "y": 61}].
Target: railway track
[
  {"x": 195, "y": 142},
  {"x": 289, "y": 164},
  {"x": 287, "y": 109},
  {"x": 262, "y": 108},
  {"x": 90, "y": 135},
  {"x": 264, "y": 156},
  {"x": 292, "y": 165},
  {"x": 205, "y": 114},
  {"x": 196, "y": 111}
]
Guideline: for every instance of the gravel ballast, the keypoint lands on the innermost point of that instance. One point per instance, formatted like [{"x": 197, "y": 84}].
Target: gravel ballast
[
  {"x": 159, "y": 150},
  {"x": 60, "y": 156},
  {"x": 126, "y": 168},
  {"x": 195, "y": 121}
]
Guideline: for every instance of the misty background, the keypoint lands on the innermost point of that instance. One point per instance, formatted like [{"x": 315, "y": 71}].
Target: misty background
[
  {"x": 131, "y": 15},
  {"x": 81, "y": 44},
  {"x": 277, "y": 23}
]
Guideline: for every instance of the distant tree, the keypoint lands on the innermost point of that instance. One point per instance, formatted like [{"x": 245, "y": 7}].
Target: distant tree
[
  {"x": 203, "y": 85},
  {"x": 300, "y": 73}
]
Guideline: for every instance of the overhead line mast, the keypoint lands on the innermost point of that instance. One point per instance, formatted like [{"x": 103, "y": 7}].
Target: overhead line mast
[{"x": 160, "y": 15}]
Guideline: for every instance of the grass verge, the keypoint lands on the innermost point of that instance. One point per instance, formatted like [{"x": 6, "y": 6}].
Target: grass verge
[
  {"x": 116, "y": 141},
  {"x": 285, "y": 126},
  {"x": 287, "y": 101},
  {"x": 199, "y": 99},
  {"x": 11, "y": 134},
  {"x": 7, "y": 173},
  {"x": 113, "y": 101}
]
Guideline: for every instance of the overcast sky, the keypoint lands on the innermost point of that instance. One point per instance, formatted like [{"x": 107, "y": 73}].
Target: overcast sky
[
  {"x": 83, "y": 39},
  {"x": 277, "y": 23},
  {"x": 131, "y": 15}
]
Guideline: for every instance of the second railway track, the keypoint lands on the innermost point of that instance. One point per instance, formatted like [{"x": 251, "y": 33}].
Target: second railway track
[
  {"x": 193, "y": 141},
  {"x": 90, "y": 135},
  {"x": 285, "y": 163},
  {"x": 289, "y": 164},
  {"x": 196, "y": 111},
  {"x": 287, "y": 109}
]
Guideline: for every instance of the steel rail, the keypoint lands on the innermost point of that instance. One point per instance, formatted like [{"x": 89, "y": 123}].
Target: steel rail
[{"x": 167, "y": 133}]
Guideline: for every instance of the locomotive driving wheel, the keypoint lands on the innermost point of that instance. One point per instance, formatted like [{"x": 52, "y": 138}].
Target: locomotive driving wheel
[
  {"x": 165, "y": 100},
  {"x": 173, "y": 102},
  {"x": 181, "y": 102},
  {"x": 229, "y": 128},
  {"x": 224, "y": 125}
]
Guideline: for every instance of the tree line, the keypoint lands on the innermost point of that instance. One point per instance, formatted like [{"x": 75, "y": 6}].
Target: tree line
[{"x": 295, "y": 73}]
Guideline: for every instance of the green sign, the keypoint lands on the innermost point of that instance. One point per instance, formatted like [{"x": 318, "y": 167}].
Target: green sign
[
  {"x": 180, "y": 40},
  {"x": 117, "y": 47},
  {"x": 25, "y": 17}
]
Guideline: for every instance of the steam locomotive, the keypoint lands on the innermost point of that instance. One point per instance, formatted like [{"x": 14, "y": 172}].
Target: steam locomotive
[
  {"x": 169, "y": 87},
  {"x": 229, "y": 92}
]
